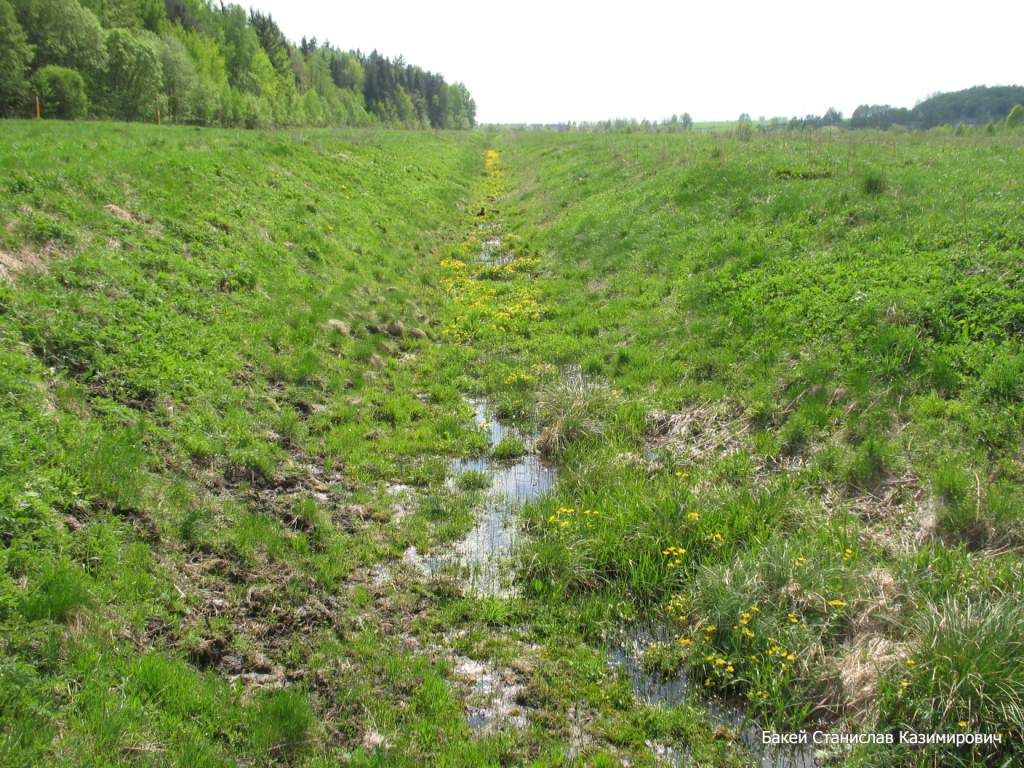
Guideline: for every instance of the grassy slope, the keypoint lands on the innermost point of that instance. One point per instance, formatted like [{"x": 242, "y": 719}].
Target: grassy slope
[
  {"x": 183, "y": 461},
  {"x": 842, "y": 321}
]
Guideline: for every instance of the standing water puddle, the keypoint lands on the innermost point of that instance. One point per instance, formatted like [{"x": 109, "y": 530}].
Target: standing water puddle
[
  {"x": 484, "y": 553},
  {"x": 627, "y": 651}
]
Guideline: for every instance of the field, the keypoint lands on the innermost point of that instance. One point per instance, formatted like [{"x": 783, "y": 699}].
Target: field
[{"x": 780, "y": 382}]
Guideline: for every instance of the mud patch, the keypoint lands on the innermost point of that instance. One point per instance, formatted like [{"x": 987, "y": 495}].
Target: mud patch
[
  {"x": 492, "y": 699},
  {"x": 246, "y": 633},
  {"x": 403, "y": 501}
]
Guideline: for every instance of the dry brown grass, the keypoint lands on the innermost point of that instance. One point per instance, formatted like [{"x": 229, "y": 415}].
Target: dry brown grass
[
  {"x": 27, "y": 260},
  {"x": 710, "y": 430}
]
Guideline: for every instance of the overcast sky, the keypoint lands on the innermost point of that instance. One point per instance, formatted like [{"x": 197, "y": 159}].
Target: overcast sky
[{"x": 531, "y": 61}]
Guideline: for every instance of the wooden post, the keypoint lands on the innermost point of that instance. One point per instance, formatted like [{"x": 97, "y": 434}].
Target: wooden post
[
  {"x": 158, "y": 117},
  {"x": 39, "y": 113}
]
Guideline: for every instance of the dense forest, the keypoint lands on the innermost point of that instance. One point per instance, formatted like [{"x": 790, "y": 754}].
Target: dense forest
[{"x": 204, "y": 64}]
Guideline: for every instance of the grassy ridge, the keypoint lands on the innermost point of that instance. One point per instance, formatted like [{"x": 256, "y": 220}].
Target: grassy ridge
[{"x": 821, "y": 342}]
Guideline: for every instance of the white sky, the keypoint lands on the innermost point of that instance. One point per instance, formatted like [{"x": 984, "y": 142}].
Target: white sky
[{"x": 558, "y": 60}]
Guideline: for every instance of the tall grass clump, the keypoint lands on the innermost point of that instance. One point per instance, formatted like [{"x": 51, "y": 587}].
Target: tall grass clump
[
  {"x": 282, "y": 724},
  {"x": 111, "y": 464},
  {"x": 60, "y": 590},
  {"x": 873, "y": 183},
  {"x": 868, "y": 463},
  {"x": 1003, "y": 379},
  {"x": 573, "y": 410},
  {"x": 966, "y": 671}
]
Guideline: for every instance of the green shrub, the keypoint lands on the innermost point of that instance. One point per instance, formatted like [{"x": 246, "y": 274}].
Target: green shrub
[
  {"x": 61, "y": 92},
  {"x": 15, "y": 59}
]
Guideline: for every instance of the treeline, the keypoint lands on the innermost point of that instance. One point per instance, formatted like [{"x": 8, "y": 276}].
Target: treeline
[
  {"x": 203, "y": 64},
  {"x": 989, "y": 107},
  {"x": 979, "y": 105}
]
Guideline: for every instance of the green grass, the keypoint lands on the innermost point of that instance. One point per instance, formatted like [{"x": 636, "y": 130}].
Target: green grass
[
  {"x": 780, "y": 378},
  {"x": 164, "y": 373},
  {"x": 843, "y": 340},
  {"x": 509, "y": 448},
  {"x": 206, "y": 391}
]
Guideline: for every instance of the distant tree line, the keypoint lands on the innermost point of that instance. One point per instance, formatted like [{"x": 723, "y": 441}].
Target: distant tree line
[
  {"x": 981, "y": 105},
  {"x": 204, "y": 64}
]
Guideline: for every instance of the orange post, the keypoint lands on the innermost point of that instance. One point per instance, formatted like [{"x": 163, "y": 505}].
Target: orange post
[
  {"x": 158, "y": 117},
  {"x": 39, "y": 113}
]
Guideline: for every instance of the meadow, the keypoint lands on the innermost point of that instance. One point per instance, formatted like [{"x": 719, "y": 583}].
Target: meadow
[{"x": 781, "y": 380}]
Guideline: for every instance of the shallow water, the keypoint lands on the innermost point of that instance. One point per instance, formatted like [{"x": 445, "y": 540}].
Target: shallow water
[
  {"x": 626, "y": 651},
  {"x": 493, "y": 252},
  {"x": 484, "y": 554}
]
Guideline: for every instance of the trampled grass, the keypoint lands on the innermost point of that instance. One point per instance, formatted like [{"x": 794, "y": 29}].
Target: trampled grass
[{"x": 780, "y": 379}]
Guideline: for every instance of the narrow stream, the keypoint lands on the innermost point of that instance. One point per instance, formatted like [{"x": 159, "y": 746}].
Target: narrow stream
[{"x": 484, "y": 555}]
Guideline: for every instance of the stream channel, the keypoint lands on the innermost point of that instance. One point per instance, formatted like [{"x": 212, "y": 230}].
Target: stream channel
[{"x": 484, "y": 561}]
